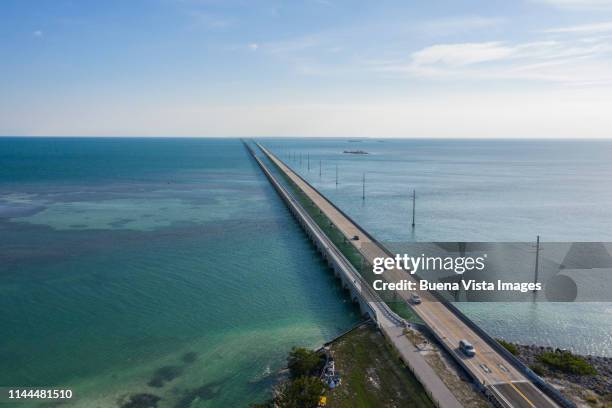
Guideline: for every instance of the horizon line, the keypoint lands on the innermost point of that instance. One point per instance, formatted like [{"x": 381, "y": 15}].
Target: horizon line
[{"x": 573, "y": 138}]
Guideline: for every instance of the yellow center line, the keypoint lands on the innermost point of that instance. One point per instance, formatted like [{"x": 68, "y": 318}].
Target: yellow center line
[
  {"x": 521, "y": 394},
  {"x": 327, "y": 210}
]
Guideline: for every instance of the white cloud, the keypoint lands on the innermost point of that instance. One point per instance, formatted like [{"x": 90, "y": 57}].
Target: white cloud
[
  {"x": 253, "y": 46},
  {"x": 461, "y": 54},
  {"x": 450, "y": 25},
  {"x": 572, "y": 62},
  {"x": 579, "y": 4},
  {"x": 37, "y": 33},
  {"x": 602, "y": 27}
]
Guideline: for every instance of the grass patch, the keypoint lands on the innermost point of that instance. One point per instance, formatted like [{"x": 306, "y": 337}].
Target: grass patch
[
  {"x": 347, "y": 249},
  {"x": 538, "y": 369},
  {"x": 403, "y": 310},
  {"x": 372, "y": 375},
  {"x": 344, "y": 246},
  {"x": 509, "y": 346},
  {"x": 566, "y": 362}
]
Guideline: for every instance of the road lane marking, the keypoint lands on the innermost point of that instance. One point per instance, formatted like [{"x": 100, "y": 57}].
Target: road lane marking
[{"x": 331, "y": 212}]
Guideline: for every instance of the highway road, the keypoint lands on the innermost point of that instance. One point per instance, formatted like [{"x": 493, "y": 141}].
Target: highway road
[
  {"x": 389, "y": 323},
  {"x": 488, "y": 367}
]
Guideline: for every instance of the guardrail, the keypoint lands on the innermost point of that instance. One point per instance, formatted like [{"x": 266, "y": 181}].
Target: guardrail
[
  {"x": 386, "y": 309},
  {"x": 546, "y": 388},
  {"x": 380, "y": 306},
  {"x": 343, "y": 264}
]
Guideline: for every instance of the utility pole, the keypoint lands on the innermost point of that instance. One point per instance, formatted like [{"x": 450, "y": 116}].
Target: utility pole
[
  {"x": 336, "y": 175},
  {"x": 537, "y": 263},
  {"x": 319, "y": 168},
  {"x": 308, "y": 156},
  {"x": 363, "y": 188},
  {"x": 413, "y": 206},
  {"x": 300, "y": 159}
]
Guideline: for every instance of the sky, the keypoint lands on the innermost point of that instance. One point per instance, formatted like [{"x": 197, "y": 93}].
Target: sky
[{"x": 219, "y": 68}]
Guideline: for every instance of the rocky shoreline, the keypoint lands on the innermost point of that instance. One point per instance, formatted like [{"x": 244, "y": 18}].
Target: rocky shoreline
[{"x": 589, "y": 389}]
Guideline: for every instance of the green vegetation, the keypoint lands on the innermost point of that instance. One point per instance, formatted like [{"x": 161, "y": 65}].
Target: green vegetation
[
  {"x": 348, "y": 250},
  {"x": 304, "y": 362},
  {"x": 372, "y": 374},
  {"x": 566, "y": 362},
  {"x": 509, "y": 346},
  {"x": 400, "y": 307},
  {"x": 538, "y": 369},
  {"x": 304, "y": 388},
  {"x": 302, "y": 392}
]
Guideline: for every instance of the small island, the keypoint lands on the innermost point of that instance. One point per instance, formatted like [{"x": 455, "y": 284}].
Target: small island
[{"x": 355, "y": 152}]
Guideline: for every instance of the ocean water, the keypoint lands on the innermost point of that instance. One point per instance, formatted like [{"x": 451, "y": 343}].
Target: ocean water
[
  {"x": 161, "y": 266},
  {"x": 171, "y": 267},
  {"x": 480, "y": 191}
]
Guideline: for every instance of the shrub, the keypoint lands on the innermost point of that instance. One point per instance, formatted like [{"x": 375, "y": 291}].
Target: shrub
[
  {"x": 304, "y": 362},
  {"x": 304, "y": 388},
  {"x": 509, "y": 346},
  {"x": 566, "y": 362},
  {"x": 303, "y": 392},
  {"x": 538, "y": 369}
]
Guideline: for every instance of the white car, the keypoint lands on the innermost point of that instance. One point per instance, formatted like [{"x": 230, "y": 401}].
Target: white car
[
  {"x": 415, "y": 299},
  {"x": 467, "y": 348}
]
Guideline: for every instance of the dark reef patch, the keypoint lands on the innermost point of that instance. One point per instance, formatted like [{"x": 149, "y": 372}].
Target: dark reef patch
[
  {"x": 164, "y": 374},
  {"x": 140, "y": 401},
  {"x": 204, "y": 393},
  {"x": 189, "y": 357}
]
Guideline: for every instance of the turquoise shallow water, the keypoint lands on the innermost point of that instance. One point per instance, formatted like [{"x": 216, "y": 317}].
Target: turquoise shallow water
[{"x": 121, "y": 258}]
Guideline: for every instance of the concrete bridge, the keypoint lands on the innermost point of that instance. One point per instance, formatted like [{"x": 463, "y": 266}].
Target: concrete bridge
[
  {"x": 390, "y": 324},
  {"x": 505, "y": 380}
]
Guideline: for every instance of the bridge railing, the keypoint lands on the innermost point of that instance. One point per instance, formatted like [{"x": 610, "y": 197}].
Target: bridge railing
[
  {"x": 364, "y": 261},
  {"x": 354, "y": 275},
  {"x": 294, "y": 204},
  {"x": 549, "y": 390}
]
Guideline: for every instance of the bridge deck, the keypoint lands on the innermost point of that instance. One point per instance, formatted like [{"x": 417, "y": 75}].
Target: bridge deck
[
  {"x": 488, "y": 367},
  {"x": 391, "y": 325}
]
